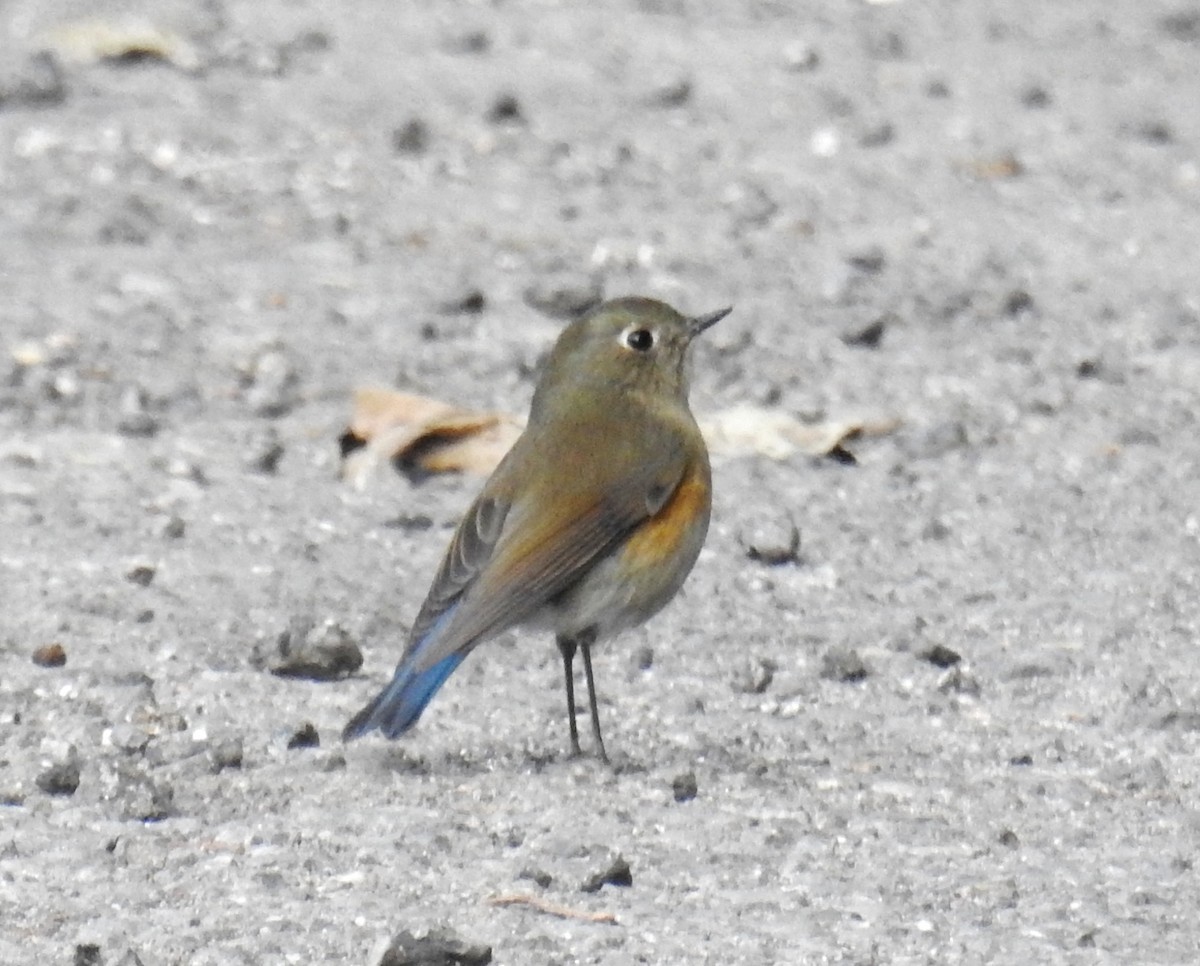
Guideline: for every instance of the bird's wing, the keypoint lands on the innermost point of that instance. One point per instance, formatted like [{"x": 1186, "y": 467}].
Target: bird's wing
[{"x": 509, "y": 558}]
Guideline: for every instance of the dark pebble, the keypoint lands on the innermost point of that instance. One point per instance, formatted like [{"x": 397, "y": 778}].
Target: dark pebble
[
  {"x": 684, "y": 787},
  {"x": 87, "y": 954},
  {"x": 539, "y": 877},
  {"x": 305, "y": 736},
  {"x": 60, "y": 778},
  {"x": 1181, "y": 720},
  {"x": 1008, "y": 838},
  {"x": 226, "y": 753},
  {"x": 141, "y": 574},
  {"x": 264, "y": 451},
  {"x": 412, "y": 137},
  {"x": 1021, "y": 761},
  {"x": 38, "y": 81},
  {"x": 869, "y": 261},
  {"x": 50, "y": 655},
  {"x": 471, "y": 302},
  {"x": 754, "y": 676},
  {"x": 878, "y": 135},
  {"x": 1018, "y": 302},
  {"x": 844, "y": 665},
  {"x": 315, "y": 652},
  {"x": 617, "y": 874},
  {"x": 772, "y": 540},
  {"x": 506, "y": 109},
  {"x": 1035, "y": 97},
  {"x": 643, "y": 658},
  {"x": 1182, "y": 25},
  {"x": 675, "y": 93},
  {"x": 438, "y": 947},
  {"x": 940, "y": 656},
  {"x": 869, "y": 337}
]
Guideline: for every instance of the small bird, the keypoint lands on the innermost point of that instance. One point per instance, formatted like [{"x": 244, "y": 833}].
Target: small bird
[{"x": 590, "y": 523}]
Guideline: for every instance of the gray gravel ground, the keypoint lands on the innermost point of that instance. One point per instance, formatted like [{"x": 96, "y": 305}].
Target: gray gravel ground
[{"x": 202, "y": 260}]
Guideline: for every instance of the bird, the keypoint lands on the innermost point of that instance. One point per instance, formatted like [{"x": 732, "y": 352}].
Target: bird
[{"x": 588, "y": 526}]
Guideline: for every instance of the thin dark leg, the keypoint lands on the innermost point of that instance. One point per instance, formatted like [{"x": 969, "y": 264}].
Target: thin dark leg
[
  {"x": 585, "y": 643},
  {"x": 567, "y": 646}
]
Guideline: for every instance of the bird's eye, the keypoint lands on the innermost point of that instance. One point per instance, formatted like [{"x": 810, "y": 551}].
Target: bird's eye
[{"x": 640, "y": 340}]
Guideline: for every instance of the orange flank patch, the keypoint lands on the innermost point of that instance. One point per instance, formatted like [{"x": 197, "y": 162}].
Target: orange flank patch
[{"x": 660, "y": 538}]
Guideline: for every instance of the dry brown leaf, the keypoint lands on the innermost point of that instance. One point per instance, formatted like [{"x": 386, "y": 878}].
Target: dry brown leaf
[
  {"x": 424, "y": 433},
  {"x": 435, "y": 437},
  {"x": 552, "y": 909},
  {"x": 88, "y": 41},
  {"x": 754, "y": 431}
]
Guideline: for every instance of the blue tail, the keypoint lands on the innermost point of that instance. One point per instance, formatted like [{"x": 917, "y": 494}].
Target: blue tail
[{"x": 398, "y": 706}]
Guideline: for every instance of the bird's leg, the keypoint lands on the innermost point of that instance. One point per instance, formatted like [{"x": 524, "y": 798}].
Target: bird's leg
[
  {"x": 566, "y": 646},
  {"x": 585, "y": 643}
]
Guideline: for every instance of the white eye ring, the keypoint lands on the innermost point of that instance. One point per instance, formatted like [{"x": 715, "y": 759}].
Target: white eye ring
[{"x": 638, "y": 338}]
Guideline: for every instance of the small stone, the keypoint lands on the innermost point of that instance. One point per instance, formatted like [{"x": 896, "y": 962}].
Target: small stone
[
  {"x": 1180, "y": 720},
  {"x": 958, "y": 680},
  {"x": 412, "y": 137},
  {"x": 940, "y": 656},
  {"x": 801, "y": 57},
  {"x": 1018, "y": 302},
  {"x": 226, "y": 753},
  {"x": 172, "y": 527},
  {"x": 1008, "y": 838},
  {"x": 471, "y": 302},
  {"x": 1021, "y": 761},
  {"x": 1182, "y": 25},
  {"x": 315, "y": 652},
  {"x": 936, "y": 529},
  {"x": 843, "y": 665},
  {"x": 305, "y": 736},
  {"x": 135, "y": 419},
  {"x": 539, "y": 877},
  {"x": 50, "y": 655},
  {"x": 877, "y": 135},
  {"x": 87, "y": 954},
  {"x": 643, "y": 658},
  {"x": 141, "y": 574},
  {"x": 506, "y": 109},
  {"x": 772, "y": 540},
  {"x": 937, "y": 88},
  {"x": 869, "y": 260},
  {"x": 617, "y": 874},
  {"x": 37, "y": 81},
  {"x": 60, "y": 778},
  {"x": 271, "y": 382},
  {"x": 754, "y": 676},
  {"x": 438, "y": 947},
  {"x": 264, "y": 451},
  {"x": 684, "y": 787},
  {"x": 1035, "y": 97},
  {"x": 674, "y": 93},
  {"x": 869, "y": 337}
]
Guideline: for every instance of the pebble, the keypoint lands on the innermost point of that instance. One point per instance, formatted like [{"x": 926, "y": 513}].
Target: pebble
[
  {"x": 305, "y": 736},
  {"x": 506, "y": 109},
  {"x": 412, "y": 137},
  {"x": 315, "y": 652},
  {"x": 50, "y": 655},
  {"x": 771, "y": 539},
  {"x": 60, "y": 778},
  {"x": 868, "y": 337},
  {"x": 226, "y": 753},
  {"x": 684, "y": 787},
  {"x": 754, "y": 676},
  {"x": 617, "y": 874},
  {"x": 940, "y": 656},
  {"x": 438, "y": 947},
  {"x": 844, "y": 665}
]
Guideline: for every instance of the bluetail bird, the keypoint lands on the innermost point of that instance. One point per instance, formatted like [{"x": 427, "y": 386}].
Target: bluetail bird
[{"x": 588, "y": 526}]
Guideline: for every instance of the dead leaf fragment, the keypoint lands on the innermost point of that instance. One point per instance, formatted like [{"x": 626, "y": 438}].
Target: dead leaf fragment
[
  {"x": 431, "y": 436},
  {"x": 89, "y": 41},
  {"x": 422, "y": 433}
]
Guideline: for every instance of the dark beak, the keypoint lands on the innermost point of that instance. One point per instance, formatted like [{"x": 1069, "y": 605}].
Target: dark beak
[{"x": 702, "y": 322}]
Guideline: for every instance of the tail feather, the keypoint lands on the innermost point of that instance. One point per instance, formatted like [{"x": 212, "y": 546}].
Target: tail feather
[{"x": 398, "y": 706}]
